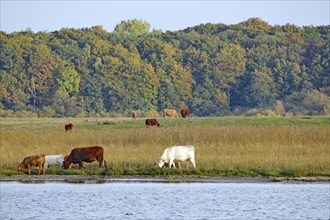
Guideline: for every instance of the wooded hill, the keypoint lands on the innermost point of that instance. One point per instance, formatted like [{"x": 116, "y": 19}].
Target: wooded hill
[{"x": 214, "y": 69}]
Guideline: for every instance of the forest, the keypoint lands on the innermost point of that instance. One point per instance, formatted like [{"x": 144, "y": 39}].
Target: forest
[{"x": 245, "y": 69}]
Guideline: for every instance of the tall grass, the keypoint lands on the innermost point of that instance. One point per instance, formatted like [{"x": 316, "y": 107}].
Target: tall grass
[{"x": 273, "y": 149}]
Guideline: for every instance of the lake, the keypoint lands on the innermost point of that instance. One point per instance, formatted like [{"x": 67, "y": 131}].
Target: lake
[{"x": 148, "y": 200}]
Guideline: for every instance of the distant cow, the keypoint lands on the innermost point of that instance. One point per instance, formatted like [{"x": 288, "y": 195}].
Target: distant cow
[
  {"x": 33, "y": 161},
  {"x": 175, "y": 154},
  {"x": 85, "y": 154},
  {"x": 134, "y": 114},
  {"x": 185, "y": 112},
  {"x": 152, "y": 122},
  {"x": 170, "y": 113},
  {"x": 68, "y": 127},
  {"x": 54, "y": 160}
]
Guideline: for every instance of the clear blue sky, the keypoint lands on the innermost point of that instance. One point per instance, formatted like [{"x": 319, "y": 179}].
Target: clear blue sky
[{"x": 51, "y": 15}]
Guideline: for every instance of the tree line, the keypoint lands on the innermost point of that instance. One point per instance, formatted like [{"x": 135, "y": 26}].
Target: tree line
[{"x": 248, "y": 68}]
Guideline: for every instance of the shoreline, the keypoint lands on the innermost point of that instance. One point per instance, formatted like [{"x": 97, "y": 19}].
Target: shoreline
[{"x": 156, "y": 179}]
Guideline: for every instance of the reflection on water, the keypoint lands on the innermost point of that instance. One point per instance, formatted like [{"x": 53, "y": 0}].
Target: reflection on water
[{"x": 164, "y": 201}]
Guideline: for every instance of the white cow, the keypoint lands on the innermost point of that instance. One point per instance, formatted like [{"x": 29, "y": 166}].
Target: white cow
[
  {"x": 54, "y": 160},
  {"x": 177, "y": 154}
]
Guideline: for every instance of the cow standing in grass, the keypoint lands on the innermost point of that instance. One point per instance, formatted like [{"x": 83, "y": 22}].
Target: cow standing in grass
[
  {"x": 175, "y": 154},
  {"x": 33, "y": 161},
  {"x": 152, "y": 122},
  {"x": 84, "y": 154},
  {"x": 134, "y": 115},
  {"x": 54, "y": 160},
  {"x": 170, "y": 113},
  {"x": 185, "y": 112},
  {"x": 68, "y": 127}
]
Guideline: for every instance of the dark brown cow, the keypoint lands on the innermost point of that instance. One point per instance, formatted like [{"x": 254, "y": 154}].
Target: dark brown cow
[
  {"x": 33, "y": 161},
  {"x": 85, "y": 154},
  {"x": 185, "y": 112},
  {"x": 152, "y": 122},
  {"x": 68, "y": 127}
]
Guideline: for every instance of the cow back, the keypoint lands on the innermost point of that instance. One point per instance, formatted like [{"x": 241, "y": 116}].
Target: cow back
[
  {"x": 34, "y": 160},
  {"x": 86, "y": 154}
]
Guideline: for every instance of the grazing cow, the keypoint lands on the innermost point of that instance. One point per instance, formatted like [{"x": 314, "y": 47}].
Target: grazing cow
[
  {"x": 170, "y": 113},
  {"x": 185, "y": 112},
  {"x": 68, "y": 127},
  {"x": 33, "y": 161},
  {"x": 175, "y": 154},
  {"x": 152, "y": 122},
  {"x": 54, "y": 160},
  {"x": 85, "y": 154},
  {"x": 134, "y": 114}
]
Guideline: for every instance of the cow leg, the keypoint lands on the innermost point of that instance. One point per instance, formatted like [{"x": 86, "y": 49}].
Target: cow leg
[
  {"x": 192, "y": 161},
  {"x": 105, "y": 163},
  {"x": 179, "y": 165},
  {"x": 172, "y": 164},
  {"x": 29, "y": 170},
  {"x": 81, "y": 165}
]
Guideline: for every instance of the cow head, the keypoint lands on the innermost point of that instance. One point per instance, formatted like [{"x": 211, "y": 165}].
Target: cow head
[
  {"x": 21, "y": 167},
  {"x": 160, "y": 163},
  {"x": 66, "y": 164}
]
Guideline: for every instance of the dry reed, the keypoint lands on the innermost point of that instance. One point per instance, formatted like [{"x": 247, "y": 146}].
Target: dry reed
[{"x": 218, "y": 148}]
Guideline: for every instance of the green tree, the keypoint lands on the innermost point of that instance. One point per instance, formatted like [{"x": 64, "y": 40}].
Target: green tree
[
  {"x": 68, "y": 79},
  {"x": 41, "y": 64},
  {"x": 261, "y": 91},
  {"x": 134, "y": 27}
]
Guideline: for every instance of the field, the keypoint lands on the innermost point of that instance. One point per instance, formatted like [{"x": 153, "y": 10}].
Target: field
[{"x": 230, "y": 146}]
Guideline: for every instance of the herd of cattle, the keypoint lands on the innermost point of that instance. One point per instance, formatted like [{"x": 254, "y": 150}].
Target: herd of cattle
[
  {"x": 171, "y": 157},
  {"x": 166, "y": 113}
]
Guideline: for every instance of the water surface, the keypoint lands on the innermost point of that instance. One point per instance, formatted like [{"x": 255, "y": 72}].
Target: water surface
[{"x": 165, "y": 201}]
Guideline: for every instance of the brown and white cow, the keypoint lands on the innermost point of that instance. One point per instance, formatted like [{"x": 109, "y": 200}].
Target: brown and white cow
[
  {"x": 152, "y": 122},
  {"x": 185, "y": 112},
  {"x": 68, "y": 127},
  {"x": 170, "y": 113},
  {"x": 85, "y": 154},
  {"x": 33, "y": 161}
]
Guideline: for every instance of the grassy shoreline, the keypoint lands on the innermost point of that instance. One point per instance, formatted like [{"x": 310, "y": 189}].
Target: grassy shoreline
[{"x": 225, "y": 147}]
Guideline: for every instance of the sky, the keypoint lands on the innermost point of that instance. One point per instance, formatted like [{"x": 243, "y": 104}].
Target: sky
[{"x": 165, "y": 15}]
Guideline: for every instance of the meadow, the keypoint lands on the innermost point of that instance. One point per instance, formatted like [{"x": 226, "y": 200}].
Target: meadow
[{"x": 224, "y": 146}]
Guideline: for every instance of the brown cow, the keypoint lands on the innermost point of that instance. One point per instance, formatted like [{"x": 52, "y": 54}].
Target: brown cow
[
  {"x": 68, "y": 127},
  {"x": 152, "y": 122},
  {"x": 185, "y": 112},
  {"x": 85, "y": 154},
  {"x": 33, "y": 161}
]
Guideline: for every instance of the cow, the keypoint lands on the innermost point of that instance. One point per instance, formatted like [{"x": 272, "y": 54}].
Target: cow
[
  {"x": 152, "y": 122},
  {"x": 85, "y": 154},
  {"x": 33, "y": 161},
  {"x": 185, "y": 112},
  {"x": 134, "y": 115},
  {"x": 54, "y": 160},
  {"x": 68, "y": 127},
  {"x": 170, "y": 113},
  {"x": 175, "y": 154}
]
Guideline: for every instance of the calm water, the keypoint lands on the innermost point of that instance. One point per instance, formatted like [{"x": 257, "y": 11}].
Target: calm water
[{"x": 165, "y": 201}]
